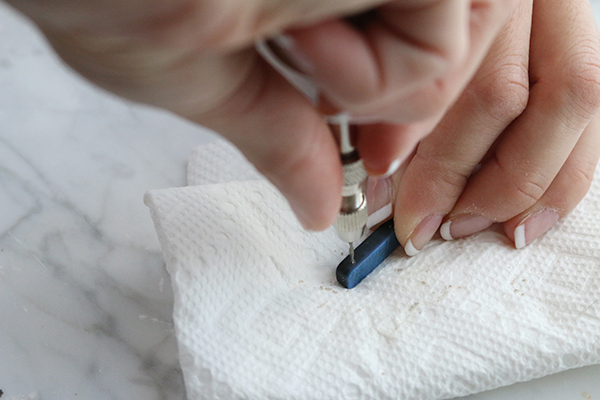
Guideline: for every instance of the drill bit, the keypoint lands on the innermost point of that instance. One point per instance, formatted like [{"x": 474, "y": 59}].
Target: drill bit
[
  {"x": 375, "y": 248},
  {"x": 351, "y": 251}
]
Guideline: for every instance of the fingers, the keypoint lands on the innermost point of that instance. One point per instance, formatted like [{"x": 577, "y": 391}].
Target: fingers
[
  {"x": 384, "y": 147},
  {"x": 181, "y": 57},
  {"x": 387, "y": 60},
  {"x": 566, "y": 191},
  {"x": 540, "y": 168},
  {"x": 438, "y": 173},
  {"x": 379, "y": 200},
  {"x": 381, "y": 195},
  {"x": 408, "y": 63},
  {"x": 399, "y": 69}
]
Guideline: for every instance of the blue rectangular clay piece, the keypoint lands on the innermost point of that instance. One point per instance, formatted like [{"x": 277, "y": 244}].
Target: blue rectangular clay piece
[{"x": 368, "y": 255}]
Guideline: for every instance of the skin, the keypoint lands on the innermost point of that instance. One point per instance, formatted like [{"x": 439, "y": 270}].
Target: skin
[
  {"x": 528, "y": 122},
  {"x": 404, "y": 68}
]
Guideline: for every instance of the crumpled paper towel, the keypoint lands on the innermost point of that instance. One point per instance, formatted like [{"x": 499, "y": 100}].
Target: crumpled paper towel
[{"x": 258, "y": 313}]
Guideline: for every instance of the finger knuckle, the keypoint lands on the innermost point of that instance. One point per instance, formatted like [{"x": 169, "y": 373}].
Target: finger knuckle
[
  {"x": 525, "y": 185},
  {"x": 504, "y": 92},
  {"x": 449, "y": 181},
  {"x": 581, "y": 79},
  {"x": 580, "y": 175},
  {"x": 442, "y": 175},
  {"x": 528, "y": 189}
]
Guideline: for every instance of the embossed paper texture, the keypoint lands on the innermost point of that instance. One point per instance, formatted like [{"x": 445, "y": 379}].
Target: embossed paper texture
[{"x": 258, "y": 313}]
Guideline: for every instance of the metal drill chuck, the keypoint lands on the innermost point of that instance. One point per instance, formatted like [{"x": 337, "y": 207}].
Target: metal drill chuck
[
  {"x": 351, "y": 221},
  {"x": 350, "y": 227}
]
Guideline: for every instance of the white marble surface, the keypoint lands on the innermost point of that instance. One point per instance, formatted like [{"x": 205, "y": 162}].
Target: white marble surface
[{"x": 85, "y": 302}]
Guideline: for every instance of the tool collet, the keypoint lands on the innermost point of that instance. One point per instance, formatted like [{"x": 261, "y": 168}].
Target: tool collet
[{"x": 351, "y": 221}]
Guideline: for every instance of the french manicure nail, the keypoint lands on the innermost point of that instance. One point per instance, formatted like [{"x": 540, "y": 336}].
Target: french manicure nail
[
  {"x": 379, "y": 200},
  {"x": 445, "y": 231},
  {"x": 392, "y": 168},
  {"x": 379, "y": 193},
  {"x": 380, "y": 215},
  {"x": 464, "y": 225},
  {"x": 293, "y": 55},
  {"x": 534, "y": 226},
  {"x": 423, "y": 234},
  {"x": 339, "y": 118},
  {"x": 352, "y": 119}
]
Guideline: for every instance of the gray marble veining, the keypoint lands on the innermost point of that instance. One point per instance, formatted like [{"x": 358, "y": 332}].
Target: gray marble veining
[{"x": 85, "y": 302}]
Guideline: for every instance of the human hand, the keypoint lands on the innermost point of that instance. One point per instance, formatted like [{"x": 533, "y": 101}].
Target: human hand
[
  {"x": 521, "y": 144},
  {"x": 196, "y": 58}
]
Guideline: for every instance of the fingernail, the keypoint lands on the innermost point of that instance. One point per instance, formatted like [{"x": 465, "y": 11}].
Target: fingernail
[
  {"x": 378, "y": 169},
  {"x": 291, "y": 54},
  {"x": 364, "y": 119},
  {"x": 464, "y": 225},
  {"x": 383, "y": 214},
  {"x": 379, "y": 200},
  {"x": 534, "y": 226},
  {"x": 423, "y": 234},
  {"x": 392, "y": 168},
  {"x": 379, "y": 192},
  {"x": 339, "y": 118},
  {"x": 352, "y": 119}
]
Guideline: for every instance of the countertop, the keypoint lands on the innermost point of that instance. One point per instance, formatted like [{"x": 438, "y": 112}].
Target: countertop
[{"x": 85, "y": 301}]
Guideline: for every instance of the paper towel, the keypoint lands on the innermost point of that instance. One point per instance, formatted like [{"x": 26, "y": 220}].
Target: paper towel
[
  {"x": 258, "y": 313},
  {"x": 219, "y": 162}
]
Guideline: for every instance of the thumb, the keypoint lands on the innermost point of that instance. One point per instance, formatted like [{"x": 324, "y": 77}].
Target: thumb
[{"x": 287, "y": 140}]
